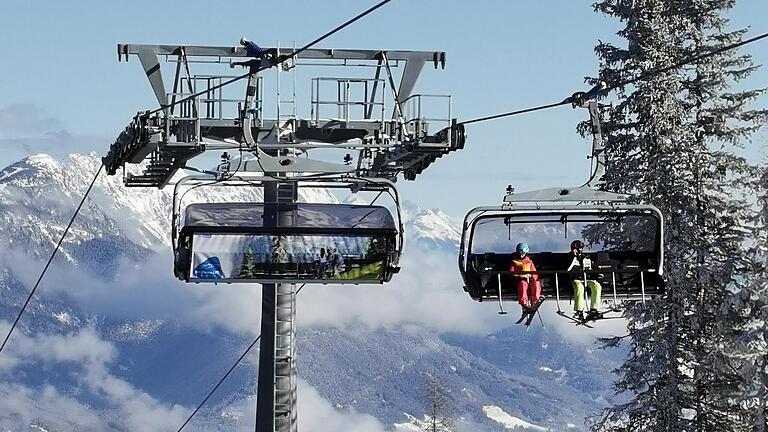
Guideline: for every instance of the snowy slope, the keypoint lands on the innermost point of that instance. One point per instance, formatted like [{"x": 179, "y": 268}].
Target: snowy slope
[{"x": 509, "y": 422}]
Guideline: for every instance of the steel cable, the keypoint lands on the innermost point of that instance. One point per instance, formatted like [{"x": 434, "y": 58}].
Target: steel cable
[
  {"x": 50, "y": 260},
  {"x": 642, "y": 77}
]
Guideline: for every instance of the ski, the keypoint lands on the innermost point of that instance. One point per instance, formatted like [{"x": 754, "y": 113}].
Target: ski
[
  {"x": 594, "y": 316},
  {"x": 522, "y": 317},
  {"x": 578, "y": 322},
  {"x": 532, "y": 312},
  {"x": 531, "y": 316}
]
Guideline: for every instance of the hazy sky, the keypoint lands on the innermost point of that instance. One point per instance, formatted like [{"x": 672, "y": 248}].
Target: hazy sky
[{"x": 62, "y": 89}]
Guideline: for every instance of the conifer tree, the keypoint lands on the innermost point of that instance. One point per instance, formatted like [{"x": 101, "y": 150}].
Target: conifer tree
[
  {"x": 439, "y": 407},
  {"x": 670, "y": 142},
  {"x": 748, "y": 307},
  {"x": 246, "y": 267}
]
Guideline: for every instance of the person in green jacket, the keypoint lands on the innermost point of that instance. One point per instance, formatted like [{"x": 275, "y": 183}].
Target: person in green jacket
[{"x": 579, "y": 264}]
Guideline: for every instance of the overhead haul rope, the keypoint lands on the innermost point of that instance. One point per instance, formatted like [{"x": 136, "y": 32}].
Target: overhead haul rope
[
  {"x": 278, "y": 61},
  {"x": 56, "y": 249},
  {"x": 226, "y": 375},
  {"x": 599, "y": 90}
]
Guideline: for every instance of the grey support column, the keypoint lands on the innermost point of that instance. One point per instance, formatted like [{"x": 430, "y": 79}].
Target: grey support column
[
  {"x": 276, "y": 398},
  {"x": 285, "y": 332}
]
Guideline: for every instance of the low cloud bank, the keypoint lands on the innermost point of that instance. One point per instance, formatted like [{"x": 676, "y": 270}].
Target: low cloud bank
[
  {"x": 89, "y": 357},
  {"x": 427, "y": 293}
]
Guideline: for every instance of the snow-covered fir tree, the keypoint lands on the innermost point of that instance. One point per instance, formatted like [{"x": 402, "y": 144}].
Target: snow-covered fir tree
[
  {"x": 672, "y": 140},
  {"x": 438, "y": 417},
  {"x": 748, "y": 307}
]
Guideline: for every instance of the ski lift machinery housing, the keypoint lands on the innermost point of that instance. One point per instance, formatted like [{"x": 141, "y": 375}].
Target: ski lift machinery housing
[{"x": 361, "y": 132}]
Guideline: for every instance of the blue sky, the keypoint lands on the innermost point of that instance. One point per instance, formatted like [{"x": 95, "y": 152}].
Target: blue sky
[{"x": 61, "y": 76}]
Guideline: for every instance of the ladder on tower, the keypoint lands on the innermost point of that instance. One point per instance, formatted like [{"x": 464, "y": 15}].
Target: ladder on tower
[
  {"x": 285, "y": 358},
  {"x": 284, "y": 355}
]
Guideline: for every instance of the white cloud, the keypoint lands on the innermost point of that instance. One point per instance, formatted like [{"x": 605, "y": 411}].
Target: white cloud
[
  {"x": 83, "y": 347},
  {"x": 580, "y": 334},
  {"x": 427, "y": 292},
  {"x": 21, "y": 406},
  {"x": 317, "y": 414},
  {"x": 90, "y": 355}
]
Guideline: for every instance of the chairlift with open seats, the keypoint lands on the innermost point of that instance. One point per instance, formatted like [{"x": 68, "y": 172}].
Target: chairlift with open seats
[
  {"x": 623, "y": 240},
  {"x": 280, "y": 242}
]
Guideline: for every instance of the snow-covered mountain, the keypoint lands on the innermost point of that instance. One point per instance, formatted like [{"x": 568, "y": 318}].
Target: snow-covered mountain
[
  {"x": 113, "y": 340},
  {"x": 431, "y": 228}
]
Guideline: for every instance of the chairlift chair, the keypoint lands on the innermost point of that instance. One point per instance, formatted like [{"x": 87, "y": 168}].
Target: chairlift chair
[
  {"x": 276, "y": 242},
  {"x": 624, "y": 241}
]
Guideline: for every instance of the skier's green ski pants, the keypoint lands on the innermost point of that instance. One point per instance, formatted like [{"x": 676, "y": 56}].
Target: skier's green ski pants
[{"x": 578, "y": 294}]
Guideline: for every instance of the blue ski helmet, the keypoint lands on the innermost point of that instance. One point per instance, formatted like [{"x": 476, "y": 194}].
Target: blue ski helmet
[{"x": 522, "y": 248}]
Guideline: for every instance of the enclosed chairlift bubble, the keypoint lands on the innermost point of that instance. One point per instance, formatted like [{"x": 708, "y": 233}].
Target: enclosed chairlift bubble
[{"x": 268, "y": 242}]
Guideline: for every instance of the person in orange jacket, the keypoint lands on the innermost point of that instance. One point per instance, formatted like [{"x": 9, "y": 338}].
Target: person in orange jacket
[{"x": 528, "y": 285}]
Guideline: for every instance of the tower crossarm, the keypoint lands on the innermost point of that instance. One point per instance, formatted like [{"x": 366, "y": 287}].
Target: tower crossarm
[{"x": 379, "y": 121}]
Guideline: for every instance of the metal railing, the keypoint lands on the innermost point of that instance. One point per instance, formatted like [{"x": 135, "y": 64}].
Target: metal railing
[
  {"x": 184, "y": 120},
  {"x": 584, "y": 274},
  {"x": 416, "y": 121},
  {"x": 345, "y": 101},
  {"x": 213, "y": 102}
]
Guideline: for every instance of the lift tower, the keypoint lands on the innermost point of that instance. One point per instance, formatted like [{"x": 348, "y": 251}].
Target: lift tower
[{"x": 380, "y": 126}]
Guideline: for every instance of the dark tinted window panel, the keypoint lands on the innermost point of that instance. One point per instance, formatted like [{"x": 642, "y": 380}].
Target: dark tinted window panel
[
  {"x": 253, "y": 257},
  {"x": 251, "y": 216},
  {"x": 626, "y": 233}
]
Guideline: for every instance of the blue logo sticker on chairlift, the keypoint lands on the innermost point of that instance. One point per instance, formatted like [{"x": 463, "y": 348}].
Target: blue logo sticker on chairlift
[{"x": 209, "y": 269}]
